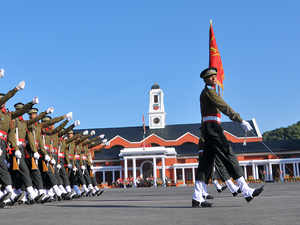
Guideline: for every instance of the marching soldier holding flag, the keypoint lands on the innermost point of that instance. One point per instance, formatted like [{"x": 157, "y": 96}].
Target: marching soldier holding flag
[{"x": 215, "y": 142}]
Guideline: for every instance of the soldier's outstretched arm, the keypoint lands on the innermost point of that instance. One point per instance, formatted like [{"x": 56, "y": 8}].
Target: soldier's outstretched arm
[
  {"x": 82, "y": 139},
  {"x": 53, "y": 121},
  {"x": 22, "y": 111},
  {"x": 73, "y": 138},
  {"x": 12, "y": 92},
  {"x": 222, "y": 105},
  {"x": 65, "y": 131},
  {"x": 57, "y": 129},
  {"x": 36, "y": 119}
]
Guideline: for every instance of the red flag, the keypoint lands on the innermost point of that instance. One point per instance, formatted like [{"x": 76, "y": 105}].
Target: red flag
[
  {"x": 144, "y": 126},
  {"x": 215, "y": 58}
]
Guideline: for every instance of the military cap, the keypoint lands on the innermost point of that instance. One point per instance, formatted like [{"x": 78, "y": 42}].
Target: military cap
[
  {"x": 2, "y": 95},
  {"x": 46, "y": 118},
  {"x": 19, "y": 105},
  {"x": 33, "y": 110},
  {"x": 70, "y": 132},
  {"x": 208, "y": 72}
]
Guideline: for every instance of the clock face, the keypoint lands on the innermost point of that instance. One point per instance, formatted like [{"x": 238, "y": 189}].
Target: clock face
[
  {"x": 155, "y": 106},
  {"x": 156, "y": 120}
]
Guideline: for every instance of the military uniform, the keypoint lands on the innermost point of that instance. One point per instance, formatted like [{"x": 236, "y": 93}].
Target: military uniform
[
  {"x": 215, "y": 142},
  {"x": 5, "y": 127}
]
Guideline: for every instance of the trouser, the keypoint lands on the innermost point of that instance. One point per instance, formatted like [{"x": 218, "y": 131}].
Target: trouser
[
  {"x": 35, "y": 174},
  {"x": 216, "y": 145},
  {"x": 86, "y": 175},
  {"x": 220, "y": 170},
  {"x": 5, "y": 178},
  {"x": 92, "y": 176},
  {"x": 63, "y": 175},
  {"x": 48, "y": 176},
  {"x": 22, "y": 175},
  {"x": 77, "y": 177}
]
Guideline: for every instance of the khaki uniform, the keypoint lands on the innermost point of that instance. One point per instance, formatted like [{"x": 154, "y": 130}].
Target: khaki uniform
[{"x": 215, "y": 142}]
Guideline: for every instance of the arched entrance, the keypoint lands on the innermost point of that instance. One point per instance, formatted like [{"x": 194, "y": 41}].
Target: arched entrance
[{"x": 147, "y": 169}]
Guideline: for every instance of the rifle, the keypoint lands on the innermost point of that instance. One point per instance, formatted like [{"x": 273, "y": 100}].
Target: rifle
[
  {"x": 34, "y": 162},
  {"x": 16, "y": 161},
  {"x": 51, "y": 151},
  {"x": 44, "y": 165}
]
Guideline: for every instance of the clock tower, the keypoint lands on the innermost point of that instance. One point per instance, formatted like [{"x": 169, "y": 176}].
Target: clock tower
[{"x": 157, "y": 115}]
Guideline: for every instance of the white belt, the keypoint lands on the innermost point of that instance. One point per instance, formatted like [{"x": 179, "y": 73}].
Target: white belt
[{"x": 211, "y": 118}]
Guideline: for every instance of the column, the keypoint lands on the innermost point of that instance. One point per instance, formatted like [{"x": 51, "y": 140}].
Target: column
[
  {"x": 103, "y": 175},
  {"x": 175, "y": 176},
  {"x": 134, "y": 171},
  {"x": 154, "y": 172},
  {"x": 113, "y": 176},
  {"x": 294, "y": 170},
  {"x": 193, "y": 173},
  {"x": 253, "y": 171},
  {"x": 163, "y": 171},
  {"x": 125, "y": 171},
  {"x": 121, "y": 175},
  {"x": 297, "y": 169},
  {"x": 283, "y": 169},
  {"x": 245, "y": 173},
  {"x": 281, "y": 172},
  {"x": 267, "y": 172},
  {"x": 270, "y": 172},
  {"x": 256, "y": 172},
  {"x": 183, "y": 176}
]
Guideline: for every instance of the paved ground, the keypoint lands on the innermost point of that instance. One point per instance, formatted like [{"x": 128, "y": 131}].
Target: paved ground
[{"x": 279, "y": 204}]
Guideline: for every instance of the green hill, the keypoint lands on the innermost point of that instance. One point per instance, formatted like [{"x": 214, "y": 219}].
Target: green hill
[{"x": 285, "y": 133}]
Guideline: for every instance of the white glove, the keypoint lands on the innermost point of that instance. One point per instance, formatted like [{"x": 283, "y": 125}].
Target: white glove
[
  {"x": 18, "y": 154},
  {"x": 82, "y": 167},
  {"x": 58, "y": 166},
  {"x": 21, "y": 85},
  {"x": 74, "y": 169},
  {"x": 53, "y": 161},
  {"x": 7, "y": 164},
  {"x": 246, "y": 126},
  {"x": 76, "y": 123},
  {"x": 93, "y": 133},
  {"x": 70, "y": 166},
  {"x": 1, "y": 151},
  {"x": 101, "y": 136},
  {"x": 69, "y": 116},
  {"x": 50, "y": 110},
  {"x": 1, "y": 73},
  {"x": 92, "y": 167},
  {"x": 36, "y": 155},
  {"x": 47, "y": 158},
  {"x": 35, "y": 100},
  {"x": 86, "y": 132},
  {"x": 104, "y": 141}
]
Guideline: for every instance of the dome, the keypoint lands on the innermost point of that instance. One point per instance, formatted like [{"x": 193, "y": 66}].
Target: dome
[{"x": 155, "y": 86}]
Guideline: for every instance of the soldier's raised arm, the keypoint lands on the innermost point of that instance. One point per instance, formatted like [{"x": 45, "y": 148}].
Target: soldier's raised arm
[
  {"x": 57, "y": 129},
  {"x": 25, "y": 108},
  {"x": 65, "y": 131},
  {"x": 40, "y": 116},
  {"x": 56, "y": 120},
  {"x": 69, "y": 140},
  {"x": 12, "y": 92}
]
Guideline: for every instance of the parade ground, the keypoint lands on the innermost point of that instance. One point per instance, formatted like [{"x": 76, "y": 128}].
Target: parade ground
[{"x": 278, "y": 204}]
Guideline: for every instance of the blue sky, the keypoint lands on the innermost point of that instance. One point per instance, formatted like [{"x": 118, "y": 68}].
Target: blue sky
[{"x": 100, "y": 58}]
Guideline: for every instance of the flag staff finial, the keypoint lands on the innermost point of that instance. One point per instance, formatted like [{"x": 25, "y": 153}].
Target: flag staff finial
[{"x": 210, "y": 21}]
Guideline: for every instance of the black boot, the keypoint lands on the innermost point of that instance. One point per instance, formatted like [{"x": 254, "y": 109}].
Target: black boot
[
  {"x": 205, "y": 204},
  {"x": 256, "y": 193}
]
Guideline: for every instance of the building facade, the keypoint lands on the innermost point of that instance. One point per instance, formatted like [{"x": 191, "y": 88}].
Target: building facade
[{"x": 168, "y": 154}]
